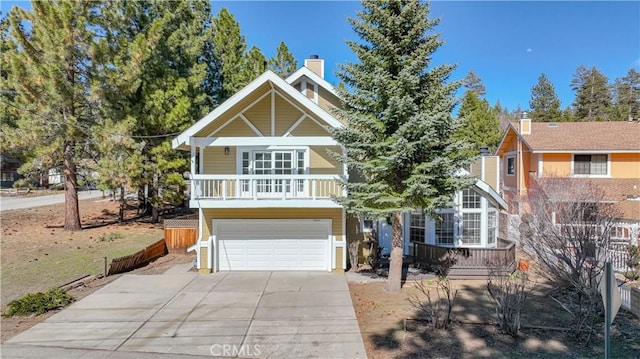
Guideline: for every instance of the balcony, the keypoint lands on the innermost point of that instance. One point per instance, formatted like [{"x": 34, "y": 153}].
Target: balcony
[{"x": 264, "y": 188}]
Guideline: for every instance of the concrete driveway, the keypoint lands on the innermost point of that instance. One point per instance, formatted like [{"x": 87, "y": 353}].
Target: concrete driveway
[{"x": 232, "y": 314}]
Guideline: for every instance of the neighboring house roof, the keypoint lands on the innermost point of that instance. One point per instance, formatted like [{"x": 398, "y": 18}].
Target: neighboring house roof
[
  {"x": 578, "y": 136},
  {"x": 273, "y": 80}
]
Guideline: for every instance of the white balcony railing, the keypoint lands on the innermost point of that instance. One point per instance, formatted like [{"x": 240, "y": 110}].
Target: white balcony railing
[{"x": 256, "y": 187}]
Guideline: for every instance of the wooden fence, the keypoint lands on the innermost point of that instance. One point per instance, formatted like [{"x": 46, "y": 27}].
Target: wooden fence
[
  {"x": 138, "y": 259},
  {"x": 180, "y": 234},
  {"x": 467, "y": 263}
]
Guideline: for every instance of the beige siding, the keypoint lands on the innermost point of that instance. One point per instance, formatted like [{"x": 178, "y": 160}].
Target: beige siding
[
  {"x": 327, "y": 100},
  {"x": 233, "y": 111},
  {"x": 286, "y": 115},
  {"x": 321, "y": 162},
  {"x": 217, "y": 163},
  {"x": 260, "y": 115},
  {"x": 334, "y": 214},
  {"x": 625, "y": 165},
  {"x": 308, "y": 127},
  {"x": 236, "y": 128}
]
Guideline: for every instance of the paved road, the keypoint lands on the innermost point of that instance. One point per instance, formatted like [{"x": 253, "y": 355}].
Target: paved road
[
  {"x": 232, "y": 314},
  {"x": 9, "y": 203}
]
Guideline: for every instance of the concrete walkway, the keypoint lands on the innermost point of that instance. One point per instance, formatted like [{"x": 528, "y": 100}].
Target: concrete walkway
[
  {"x": 9, "y": 203},
  {"x": 232, "y": 314}
]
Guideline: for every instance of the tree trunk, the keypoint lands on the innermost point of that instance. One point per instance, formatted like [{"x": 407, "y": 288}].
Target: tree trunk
[
  {"x": 155, "y": 215},
  {"x": 71, "y": 210},
  {"x": 122, "y": 205},
  {"x": 394, "y": 281}
]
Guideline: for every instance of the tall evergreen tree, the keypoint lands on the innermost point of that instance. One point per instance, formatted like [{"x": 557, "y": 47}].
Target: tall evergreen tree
[
  {"x": 479, "y": 124},
  {"x": 627, "y": 96},
  {"x": 473, "y": 83},
  {"x": 154, "y": 67},
  {"x": 229, "y": 47},
  {"x": 254, "y": 64},
  {"x": 397, "y": 108},
  {"x": 283, "y": 64},
  {"x": 544, "y": 103},
  {"x": 593, "y": 95},
  {"x": 50, "y": 74}
]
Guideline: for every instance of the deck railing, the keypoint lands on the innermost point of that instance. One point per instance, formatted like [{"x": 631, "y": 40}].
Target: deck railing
[
  {"x": 256, "y": 187},
  {"x": 466, "y": 262}
]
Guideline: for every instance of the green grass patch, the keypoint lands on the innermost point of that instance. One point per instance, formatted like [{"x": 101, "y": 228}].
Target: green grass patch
[{"x": 38, "y": 303}]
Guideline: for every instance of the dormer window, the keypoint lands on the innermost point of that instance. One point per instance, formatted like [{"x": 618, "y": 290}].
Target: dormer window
[{"x": 309, "y": 89}]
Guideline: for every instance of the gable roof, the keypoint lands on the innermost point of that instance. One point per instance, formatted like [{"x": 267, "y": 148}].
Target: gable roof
[
  {"x": 304, "y": 71},
  {"x": 579, "y": 136},
  {"x": 267, "y": 77}
]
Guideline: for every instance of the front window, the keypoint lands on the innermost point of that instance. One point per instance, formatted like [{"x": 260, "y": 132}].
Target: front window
[
  {"x": 471, "y": 228},
  {"x": 590, "y": 164},
  {"x": 444, "y": 229},
  {"x": 511, "y": 166},
  {"x": 416, "y": 227}
]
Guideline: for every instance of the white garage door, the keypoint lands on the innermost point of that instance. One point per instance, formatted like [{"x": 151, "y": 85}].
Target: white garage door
[{"x": 252, "y": 244}]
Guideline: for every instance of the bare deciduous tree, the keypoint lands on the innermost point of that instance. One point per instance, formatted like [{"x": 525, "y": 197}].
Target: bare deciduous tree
[
  {"x": 434, "y": 301},
  {"x": 568, "y": 229},
  {"x": 509, "y": 294}
]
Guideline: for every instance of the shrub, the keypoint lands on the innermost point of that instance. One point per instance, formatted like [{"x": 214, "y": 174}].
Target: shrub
[
  {"x": 435, "y": 308},
  {"x": 633, "y": 262},
  {"x": 38, "y": 303},
  {"x": 110, "y": 237},
  {"x": 23, "y": 183},
  {"x": 508, "y": 294}
]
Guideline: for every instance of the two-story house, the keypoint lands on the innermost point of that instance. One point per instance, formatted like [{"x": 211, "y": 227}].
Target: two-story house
[
  {"x": 605, "y": 153},
  {"x": 264, "y": 176}
]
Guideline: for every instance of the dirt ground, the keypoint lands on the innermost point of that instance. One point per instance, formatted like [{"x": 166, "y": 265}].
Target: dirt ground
[
  {"x": 386, "y": 333},
  {"x": 37, "y": 254}
]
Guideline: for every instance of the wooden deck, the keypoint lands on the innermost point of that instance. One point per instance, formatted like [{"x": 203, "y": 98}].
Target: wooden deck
[{"x": 466, "y": 263}]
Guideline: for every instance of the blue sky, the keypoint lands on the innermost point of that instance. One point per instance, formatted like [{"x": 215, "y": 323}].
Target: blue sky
[{"x": 507, "y": 43}]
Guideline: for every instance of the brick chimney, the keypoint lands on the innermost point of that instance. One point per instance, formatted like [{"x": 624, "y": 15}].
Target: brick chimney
[{"x": 315, "y": 64}]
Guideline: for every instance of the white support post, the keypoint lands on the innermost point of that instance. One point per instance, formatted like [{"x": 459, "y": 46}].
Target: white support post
[
  {"x": 254, "y": 188},
  {"x": 313, "y": 189},
  {"x": 224, "y": 190},
  {"x": 201, "y": 160}
]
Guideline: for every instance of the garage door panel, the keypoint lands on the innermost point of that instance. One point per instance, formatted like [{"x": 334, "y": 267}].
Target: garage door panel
[{"x": 276, "y": 245}]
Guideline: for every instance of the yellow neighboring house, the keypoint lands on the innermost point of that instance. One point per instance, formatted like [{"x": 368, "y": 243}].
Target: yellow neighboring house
[
  {"x": 606, "y": 153},
  {"x": 263, "y": 177}
]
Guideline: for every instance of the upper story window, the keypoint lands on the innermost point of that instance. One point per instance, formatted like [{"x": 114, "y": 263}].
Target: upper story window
[
  {"x": 590, "y": 165},
  {"x": 470, "y": 199},
  {"x": 511, "y": 166}
]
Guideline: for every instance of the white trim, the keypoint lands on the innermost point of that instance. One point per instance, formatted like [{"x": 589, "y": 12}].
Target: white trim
[
  {"x": 200, "y": 160},
  {"x": 251, "y": 125},
  {"x": 263, "y": 203},
  {"x": 540, "y": 165},
  {"x": 268, "y": 76},
  {"x": 295, "y": 125},
  {"x": 193, "y": 160},
  {"x": 265, "y": 141}
]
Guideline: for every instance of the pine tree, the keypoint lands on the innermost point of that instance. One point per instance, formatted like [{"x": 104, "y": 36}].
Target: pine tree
[
  {"x": 50, "y": 74},
  {"x": 593, "y": 95},
  {"x": 229, "y": 47},
  {"x": 283, "y": 64},
  {"x": 154, "y": 66},
  {"x": 473, "y": 83},
  {"x": 398, "y": 114},
  {"x": 544, "y": 103},
  {"x": 254, "y": 65},
  {"x": 627, "y": 96},
  {"x": 479, "y": 124}
]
